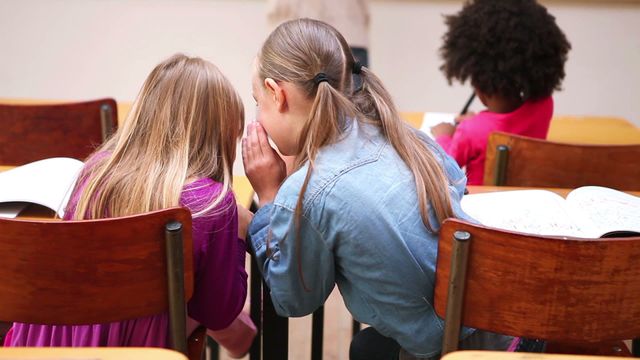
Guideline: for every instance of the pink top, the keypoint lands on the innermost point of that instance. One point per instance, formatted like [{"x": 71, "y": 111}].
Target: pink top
[
  {"x": 468, "y": 145},
  {"x": 219, "y": 292}
]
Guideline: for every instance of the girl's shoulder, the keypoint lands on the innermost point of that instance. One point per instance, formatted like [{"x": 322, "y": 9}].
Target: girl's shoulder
[{"x": 199, "y": 194}]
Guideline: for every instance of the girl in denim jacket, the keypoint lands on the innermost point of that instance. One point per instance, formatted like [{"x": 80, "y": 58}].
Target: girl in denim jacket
[{"x": 365, "y": 199}]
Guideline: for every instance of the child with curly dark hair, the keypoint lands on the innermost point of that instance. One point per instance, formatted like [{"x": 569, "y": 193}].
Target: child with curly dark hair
[{"x": 514, "y": 54}]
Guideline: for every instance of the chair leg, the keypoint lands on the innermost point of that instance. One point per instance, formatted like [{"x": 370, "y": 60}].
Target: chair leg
[
  {"x": 317, "y": 330},
  {"x": 455, "y": 295},
  {"x": 197, "y": 343},
  {"x": 214, "y": 349}
]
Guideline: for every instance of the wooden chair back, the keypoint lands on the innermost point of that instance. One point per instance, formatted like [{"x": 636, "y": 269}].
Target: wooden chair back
[
  {"x": 514, "y": 160},
  {"x": 567, "y": 290},
  {"x": 35, "y": 132},
  {"x": 98, "y": 271}
]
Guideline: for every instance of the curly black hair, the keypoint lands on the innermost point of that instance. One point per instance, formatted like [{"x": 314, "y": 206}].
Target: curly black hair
[{"x": 511, "y": 48}]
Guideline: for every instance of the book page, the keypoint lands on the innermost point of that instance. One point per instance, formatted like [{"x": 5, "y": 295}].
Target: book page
[
  {"x": 47, "y": 182},
  {"x": 431, "y": 119},
  {"x": 538, "y": 212},
  {"x": 603, "y": 210}
]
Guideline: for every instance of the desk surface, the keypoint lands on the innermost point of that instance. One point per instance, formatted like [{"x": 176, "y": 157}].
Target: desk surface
[
  {"x": 96, "y": 353},
  {"x": 496, "y": 355}
]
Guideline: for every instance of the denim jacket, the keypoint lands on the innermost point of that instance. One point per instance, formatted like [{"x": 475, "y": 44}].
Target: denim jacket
[{"x": 361, "y": 229}]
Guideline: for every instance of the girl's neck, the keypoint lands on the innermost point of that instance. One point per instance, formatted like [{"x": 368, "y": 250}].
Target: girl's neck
[
  {"x": 503, "y": 105},
  {"x": 499, "y": 104}
]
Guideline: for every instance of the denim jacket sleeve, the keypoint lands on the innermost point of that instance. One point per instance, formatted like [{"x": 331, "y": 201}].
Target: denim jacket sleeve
[{"x": 296, "y": 290}]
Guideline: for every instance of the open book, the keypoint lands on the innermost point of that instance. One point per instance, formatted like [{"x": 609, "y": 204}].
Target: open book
[
  {"x": 587, "y": 212},
  {"x": 47, "y": 182},
  {"x": 431, "y": 119}
]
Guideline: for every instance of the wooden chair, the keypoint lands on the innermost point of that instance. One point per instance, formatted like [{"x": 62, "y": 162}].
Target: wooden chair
[
  {"x": 99, "y": 271},
  {"x": 34, "y": 132},
  {"x": 514, "y": 160},
  {"x": 581, "y": 295}
]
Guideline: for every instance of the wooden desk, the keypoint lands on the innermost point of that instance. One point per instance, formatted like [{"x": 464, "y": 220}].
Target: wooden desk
[
  {"x": 575, "y": 129},
  {"x": 497, "y": 355},
  {"x": 241, "y": 188},
  {"x": 95, "y": 353}
]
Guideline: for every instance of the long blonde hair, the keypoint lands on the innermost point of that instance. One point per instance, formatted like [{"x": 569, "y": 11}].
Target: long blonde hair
[
  {"x": 296, "y": 52},
  {"x": 184, "y": 125}
]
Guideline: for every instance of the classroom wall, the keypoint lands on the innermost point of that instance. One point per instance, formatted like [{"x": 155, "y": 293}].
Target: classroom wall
[{"x": 78, "y": 49}]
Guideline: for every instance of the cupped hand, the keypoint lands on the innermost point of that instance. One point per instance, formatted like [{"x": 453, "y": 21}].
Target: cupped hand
[{"x": 264, "y": 167}]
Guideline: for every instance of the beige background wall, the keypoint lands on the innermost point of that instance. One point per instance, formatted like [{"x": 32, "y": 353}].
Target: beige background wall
[{"x": 78, "y": 49}]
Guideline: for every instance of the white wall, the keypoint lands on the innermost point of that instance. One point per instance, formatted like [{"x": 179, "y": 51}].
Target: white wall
[{"x": 79, "y": 49}]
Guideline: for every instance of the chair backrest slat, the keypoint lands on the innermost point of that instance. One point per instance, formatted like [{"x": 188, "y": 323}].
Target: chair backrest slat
[
  {"x": 553, "y": 288},
  {"x": 541, "y": 163},
  {"x": 88, "y": 272},
  {"x": 36, "y": 132}
]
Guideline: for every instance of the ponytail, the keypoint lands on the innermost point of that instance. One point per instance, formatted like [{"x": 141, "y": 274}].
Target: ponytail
[
  {"x": 329, "y": 107},
  {"x": 374, "y": 102}
]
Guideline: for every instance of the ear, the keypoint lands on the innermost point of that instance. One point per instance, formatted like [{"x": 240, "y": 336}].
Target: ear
[{"x": 276, "y": 93}]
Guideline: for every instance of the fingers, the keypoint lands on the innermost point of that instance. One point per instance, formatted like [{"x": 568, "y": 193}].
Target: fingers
[
  {"x": 245, "y": 152},
  {"x": 261, "y": 134},
  {"x": 254, "y": 141},
  {"x": 250, "y": 145}
]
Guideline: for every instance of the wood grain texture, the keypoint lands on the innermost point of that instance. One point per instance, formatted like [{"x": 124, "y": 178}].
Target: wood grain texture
[
  {"x": 38, "y": 131},
  {"x": 562, "y": 289},
  {"x": 88, "y": 272},
  {"x": 541, "y": 163}
]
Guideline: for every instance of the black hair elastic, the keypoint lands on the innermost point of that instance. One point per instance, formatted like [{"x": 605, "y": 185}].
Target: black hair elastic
[
  {"x": 320, "y": 77},
  {"x": 357, "y": 68}
]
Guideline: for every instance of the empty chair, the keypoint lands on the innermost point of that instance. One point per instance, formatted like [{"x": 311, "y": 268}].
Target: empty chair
[
  {"x": 34, "y": 132},
  {"x": 99, "y": 271},
  {"x": 578, "y": 294},
  {"x": 514, "y": 160}
]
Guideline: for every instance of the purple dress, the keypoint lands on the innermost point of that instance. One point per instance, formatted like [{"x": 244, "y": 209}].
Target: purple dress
[{"x": 220, "y": 287}]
